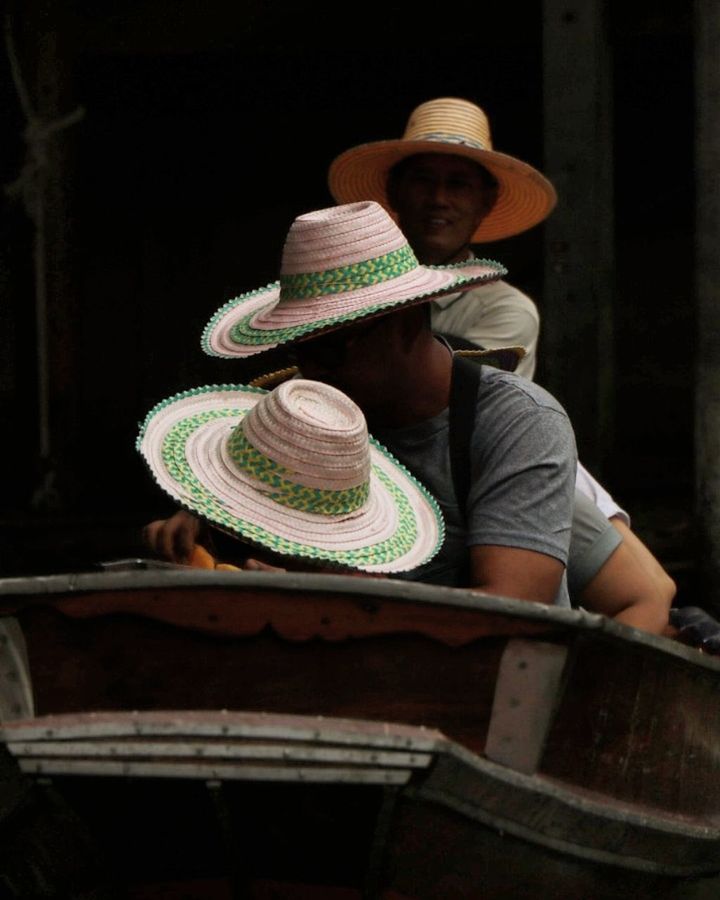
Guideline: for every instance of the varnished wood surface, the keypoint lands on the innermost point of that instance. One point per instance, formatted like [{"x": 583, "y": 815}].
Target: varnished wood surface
[
  {"x": 210, "y": 601},
  {"x": 297, "y": 606},
  {"x": 464, "y": 861},
  {"x": 125, "y": 663},
  {"x": 298, "y": 617},
  {"x": 455, "y": 809},
  {"x": 634, "y": 719},
  {"x": 640, "y": 727}
]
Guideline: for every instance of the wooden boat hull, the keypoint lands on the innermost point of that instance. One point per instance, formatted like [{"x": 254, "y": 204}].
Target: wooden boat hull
[{"x": 551, "y": 753}]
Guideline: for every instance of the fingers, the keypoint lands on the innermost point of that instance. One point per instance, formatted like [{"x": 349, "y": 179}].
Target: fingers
[
  {"x": 182, "y": 536},
  {"x": 150, "y": 536},
  {"x": 173, "y": 539}
]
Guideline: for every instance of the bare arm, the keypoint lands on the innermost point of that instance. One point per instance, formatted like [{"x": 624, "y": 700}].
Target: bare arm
[
  {"x": 513, "y": 572},
  {"x": 664, "y": 584},
  {"x": 632, "y": 587}
]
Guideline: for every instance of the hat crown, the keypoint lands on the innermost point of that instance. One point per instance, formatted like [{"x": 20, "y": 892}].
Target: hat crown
[
  {"x": 338, "y": 265},
  {"x": 339, "y": 236},
  {"x": 314, "y": 435},
  {"x": 449, "y": 120},
  {"x": 341, "y": 248}
]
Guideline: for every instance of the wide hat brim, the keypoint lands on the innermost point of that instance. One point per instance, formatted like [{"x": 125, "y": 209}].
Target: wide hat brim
[
  {"x": 505, "y": 358},
  {"x": 525, "y": 196},
  {"x": 184, "y": 443},
  {"x": 258, "y": 321}
]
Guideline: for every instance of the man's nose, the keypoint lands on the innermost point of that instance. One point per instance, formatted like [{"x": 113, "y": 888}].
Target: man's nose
[{"x": 439, "y": 193}]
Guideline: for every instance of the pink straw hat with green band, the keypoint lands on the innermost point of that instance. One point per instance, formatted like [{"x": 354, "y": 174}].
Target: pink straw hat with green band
[
  {"x": 339, "y": 265},
  {"x": 293, "y": 471},
  {"x": 456, "y": 127}
]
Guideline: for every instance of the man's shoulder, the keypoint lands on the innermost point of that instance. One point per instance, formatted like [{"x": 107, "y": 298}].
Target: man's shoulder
[
  {"x": 500, "y": 290},
  {"x": 498, "y": 388},
  {"x": 487, "y": 295},
  {"x": 520, "y": 425}
]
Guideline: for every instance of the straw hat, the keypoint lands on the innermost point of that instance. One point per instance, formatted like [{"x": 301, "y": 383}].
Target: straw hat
[
  {"x": 339, "y": 265},
  {"x": 505, "y": 358},
  {"x": 293, "y": 471},
  {"x": 451, "y": 126}
]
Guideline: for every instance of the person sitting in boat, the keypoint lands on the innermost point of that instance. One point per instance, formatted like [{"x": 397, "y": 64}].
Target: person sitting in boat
[
  {"x": 400, "y": 375},
  {"x": 350, "y": 272},
  {"x": 293, "y": 474},
  {"x": 449, "y": 189}
]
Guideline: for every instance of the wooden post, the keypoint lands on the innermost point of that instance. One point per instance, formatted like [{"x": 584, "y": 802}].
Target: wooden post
[
  {"x": 577, "y": 347},
  {"x": 707, "y": 394},
  {"x": 42, "y": 76}
]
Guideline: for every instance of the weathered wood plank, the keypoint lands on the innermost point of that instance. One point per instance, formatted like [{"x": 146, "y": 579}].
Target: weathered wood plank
[
  {"x": 707, "y": 287},
  {"x": 577, "y": 303}
]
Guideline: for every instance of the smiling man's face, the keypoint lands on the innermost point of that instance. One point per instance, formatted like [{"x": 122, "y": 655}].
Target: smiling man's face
[{"x": 440, "y": 199}]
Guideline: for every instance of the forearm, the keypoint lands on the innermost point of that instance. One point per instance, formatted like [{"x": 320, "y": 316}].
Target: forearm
[
  {"x": 647, "y": 615},
  {"x": 625, "y": 590}
]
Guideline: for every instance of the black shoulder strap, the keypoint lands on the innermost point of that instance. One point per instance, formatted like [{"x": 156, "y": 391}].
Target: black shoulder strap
[{"x": 463, "y": 399}]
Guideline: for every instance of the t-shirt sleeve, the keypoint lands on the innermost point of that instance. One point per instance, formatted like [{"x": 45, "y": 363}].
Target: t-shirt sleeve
[
  {"x": 592, "y": 543},
  {"x": 592, "y": 488},
  {"x": 523, "y": 472}
]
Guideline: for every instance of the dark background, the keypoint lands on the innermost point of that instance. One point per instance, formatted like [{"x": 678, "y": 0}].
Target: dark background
[{"x": 206, "y": 131}]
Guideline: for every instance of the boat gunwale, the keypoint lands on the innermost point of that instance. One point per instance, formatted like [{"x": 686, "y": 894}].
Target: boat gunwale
[{"x": 18, "y": 592}]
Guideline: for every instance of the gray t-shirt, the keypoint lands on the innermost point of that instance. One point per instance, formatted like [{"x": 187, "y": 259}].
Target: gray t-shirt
[
  {"x": 592, "y": 543},
  {"x": 523, "y": 475}
]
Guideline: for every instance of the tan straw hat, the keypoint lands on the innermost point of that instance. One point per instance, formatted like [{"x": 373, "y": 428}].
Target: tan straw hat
[
  {"x": 294, "y": 471},
  {"x": 339, "y": 265},
  {"x": 451, "y": 126}
]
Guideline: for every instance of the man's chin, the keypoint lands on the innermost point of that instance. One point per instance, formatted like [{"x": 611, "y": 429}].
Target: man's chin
[
  {"x": 436, "y": 251},
  {"x": 430, "y": 256}
]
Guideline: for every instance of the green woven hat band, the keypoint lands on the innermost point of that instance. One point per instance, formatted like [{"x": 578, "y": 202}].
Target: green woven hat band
[
  {"x": 348, "y": 278},
  {"x": 339, "y": 264},
  {"x": 287, "y": 492}
]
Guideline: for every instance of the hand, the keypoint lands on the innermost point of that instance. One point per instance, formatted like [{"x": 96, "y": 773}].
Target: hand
[{"x": 175, "y": 538}]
